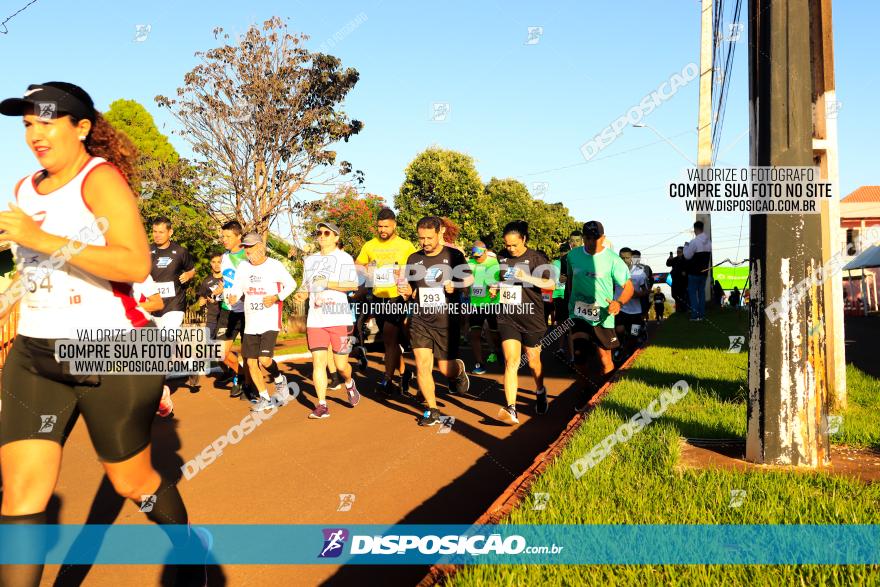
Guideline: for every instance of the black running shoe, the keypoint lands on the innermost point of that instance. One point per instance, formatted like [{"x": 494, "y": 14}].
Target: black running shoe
[
  {"x": 405, "y": 380},
  {"x": 541, "y": 402},
  {"x": 386, "y": 387},
  {"x": 224, "y": 379},
  {"x": 361, "y": 365},
  {"x": 236, "y": 391},
  {"x": 335, "y": 381},
  {"x": 430, "y": 417}
]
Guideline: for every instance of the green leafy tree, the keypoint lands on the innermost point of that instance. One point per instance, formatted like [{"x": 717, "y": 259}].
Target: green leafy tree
[
  {"x": 441, "y": 182},
  {"x": 166, "y": 185},
  {"x": 549, "y": 226},
  {"x": 509, "y": 200},
  {"x": 353, "y": 213}
]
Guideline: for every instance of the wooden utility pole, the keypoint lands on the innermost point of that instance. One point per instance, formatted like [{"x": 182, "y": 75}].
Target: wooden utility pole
[
  {"x": 787, "y": 415},
  {"x": 825, "y": 108},
  {"x": 704, "y": 125}
]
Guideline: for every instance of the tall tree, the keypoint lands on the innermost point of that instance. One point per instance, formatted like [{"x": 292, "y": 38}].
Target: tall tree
[
  {"x": 549, "y": 224},
  {"x": 442, "y": 182},
  {"x": 509, "y": 200},
  {"x": 262, "y": 116},
  {"x": 166, "y": 183}
]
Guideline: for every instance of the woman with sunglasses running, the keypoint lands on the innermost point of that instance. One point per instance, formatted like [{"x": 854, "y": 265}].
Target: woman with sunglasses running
[{"x": 79, "y": 244}]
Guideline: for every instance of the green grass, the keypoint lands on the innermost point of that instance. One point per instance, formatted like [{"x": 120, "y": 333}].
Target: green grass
[{"x": 639, "y": 483}]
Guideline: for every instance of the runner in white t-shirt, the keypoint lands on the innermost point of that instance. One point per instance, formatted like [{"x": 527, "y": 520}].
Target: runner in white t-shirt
[
  {"x": 630, "y": 323},
  {"x": 149, "y": 299},
  {"x": 265, "y": 283},
  {"x": 328, "y": 276}
]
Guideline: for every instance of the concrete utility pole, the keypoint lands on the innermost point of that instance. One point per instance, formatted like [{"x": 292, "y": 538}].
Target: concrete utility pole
[
  {"x": 825, "y": 154},
  {"x": 787, "y": 412},
  {"x": 704, "y": 124}
]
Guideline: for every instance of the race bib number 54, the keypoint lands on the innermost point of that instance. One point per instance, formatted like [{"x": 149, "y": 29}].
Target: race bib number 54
[{"x": 589, "y": 312}]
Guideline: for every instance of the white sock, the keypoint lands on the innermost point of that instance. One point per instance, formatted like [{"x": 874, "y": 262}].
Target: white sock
[
  {"x": 264, "y": 394},
  {"x": 322, "y": 403}
]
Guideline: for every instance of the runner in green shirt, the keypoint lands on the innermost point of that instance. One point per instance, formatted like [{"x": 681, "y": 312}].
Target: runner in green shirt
[
  {"x": 592, "y": 271},
  {"x": 485, "y": 271}
]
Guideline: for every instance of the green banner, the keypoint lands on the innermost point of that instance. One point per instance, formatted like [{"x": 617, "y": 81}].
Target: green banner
[{"x": 731, "y": 276}]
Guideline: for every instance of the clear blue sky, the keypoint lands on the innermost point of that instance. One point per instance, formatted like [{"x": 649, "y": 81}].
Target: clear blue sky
[{"x": 521, "y": 110}]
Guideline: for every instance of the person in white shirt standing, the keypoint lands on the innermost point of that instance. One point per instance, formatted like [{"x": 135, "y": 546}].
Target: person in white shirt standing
[
  {"x": 328, "y": 276},
  {"x": 265, "y": 283},
  {"x": 630, "y": 322},
  {"x": 698, "y": 254}
]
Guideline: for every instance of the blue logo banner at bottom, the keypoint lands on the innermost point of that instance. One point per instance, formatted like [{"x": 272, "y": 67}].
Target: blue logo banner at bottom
[{"x": 443, "y": 544}]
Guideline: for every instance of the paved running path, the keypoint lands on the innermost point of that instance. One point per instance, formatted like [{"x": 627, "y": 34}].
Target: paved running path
[{"x": 291, "y": 469}]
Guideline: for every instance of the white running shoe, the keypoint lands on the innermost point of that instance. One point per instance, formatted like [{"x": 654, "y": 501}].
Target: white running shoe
[
  {"x": 263, "y": 405},
  {"x": 281, "y": 387},
  {"x": 508, "y": 415}
]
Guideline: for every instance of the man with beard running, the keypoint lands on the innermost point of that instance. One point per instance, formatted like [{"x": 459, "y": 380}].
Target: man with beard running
[
  {"x": 431, "y": 282},
  {"x": 383, "y": 259}
]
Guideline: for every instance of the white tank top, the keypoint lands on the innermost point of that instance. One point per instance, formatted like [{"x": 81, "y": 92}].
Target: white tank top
[{"x": 61, "y": 298}]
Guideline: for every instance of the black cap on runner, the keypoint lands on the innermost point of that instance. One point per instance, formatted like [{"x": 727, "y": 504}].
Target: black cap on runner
[
  {"x": 51, "y": 100},
  {"x": 593, "y": 229}
]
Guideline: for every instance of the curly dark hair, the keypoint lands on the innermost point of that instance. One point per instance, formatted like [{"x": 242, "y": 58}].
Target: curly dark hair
[
  {"x": 107, "y": 142},
  {"x": 103, "y": 140}
]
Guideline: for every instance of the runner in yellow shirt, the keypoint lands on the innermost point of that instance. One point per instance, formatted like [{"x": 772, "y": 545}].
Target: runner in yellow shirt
[{"x": 384, "y": 259}]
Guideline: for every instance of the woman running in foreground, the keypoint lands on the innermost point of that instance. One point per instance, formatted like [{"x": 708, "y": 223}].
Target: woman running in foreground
[{"x": 79, "y": 203}]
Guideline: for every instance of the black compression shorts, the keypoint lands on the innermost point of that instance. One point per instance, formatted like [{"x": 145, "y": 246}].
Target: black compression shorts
[{"x": 42, "y": 400}]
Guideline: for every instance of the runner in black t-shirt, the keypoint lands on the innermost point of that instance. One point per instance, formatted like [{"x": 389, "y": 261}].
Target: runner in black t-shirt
[
  {"x": 432, "y": 286},
  {"x": 172, "y": 268},
  {"x": 211, "y": 293},
  {"x": 521, "y": 322}
]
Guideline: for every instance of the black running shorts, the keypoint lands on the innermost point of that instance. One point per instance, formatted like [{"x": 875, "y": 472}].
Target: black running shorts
[
  {"x": 487, "y": 313},
  {"x": 627, "y": 321},
  {"x": 42, "y": 400},
  {"x": 230, "y": 324},
  {"x": 605, "y": 338},
  {"x": 508, "y": 331},
  {"x": 390, "y": 310},
  {"x": 258, "y": 345},
  {"x": 442, "y": 341}
]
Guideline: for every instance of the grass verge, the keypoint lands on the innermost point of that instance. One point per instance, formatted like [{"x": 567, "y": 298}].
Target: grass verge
[{"x": 638, "y": 483}]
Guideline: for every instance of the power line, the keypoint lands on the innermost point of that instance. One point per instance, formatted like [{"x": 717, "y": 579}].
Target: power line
[{"x": 618, "y": 154}]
